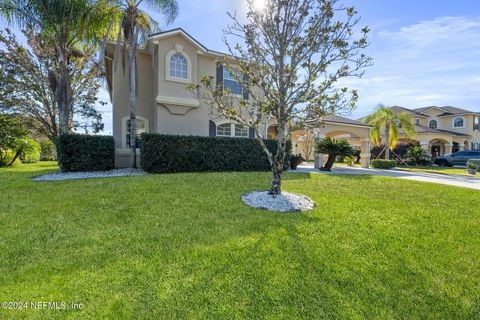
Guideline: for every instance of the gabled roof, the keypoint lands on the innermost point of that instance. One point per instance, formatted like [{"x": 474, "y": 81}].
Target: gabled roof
[
  {"x": 414, "y": 112},
  {"x": 339, "y": 119},
  {"x": 447, "y": 110},
  {"x": 186, "y": 36}
]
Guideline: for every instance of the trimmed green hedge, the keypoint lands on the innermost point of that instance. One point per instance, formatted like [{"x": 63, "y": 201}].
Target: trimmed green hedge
[
  {"x": 383, "y": 164},
  {"x": 167, "y": 154},
  {"x": 79, "y": 152}
]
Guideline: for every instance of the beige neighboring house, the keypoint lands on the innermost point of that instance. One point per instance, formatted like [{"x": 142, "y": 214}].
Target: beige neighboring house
[
  {"x": 443, "y": 130},
  {"x": 167, "y": 63}
]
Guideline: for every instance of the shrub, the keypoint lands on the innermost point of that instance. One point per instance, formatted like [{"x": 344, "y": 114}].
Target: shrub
[
  {"x": 78, "y": 152},
  {"x": 383, "y": 164},
  {"x": 30, "y": 151},
  {"x": 334, "y": 148},
  {"x": 8, "y": 157},
  {"x": 416, "y": 155},
  {"x": 295, "y": 160},
  {"x": 472, "y": 163},
  {"x": 168, "y": 153},
  {"x": 48, "y": 151}
]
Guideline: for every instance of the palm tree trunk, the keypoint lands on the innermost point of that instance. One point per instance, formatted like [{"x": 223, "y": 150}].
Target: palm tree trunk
[
  {"x": 63, "y": 92},
  {"x": 387, "y": 142},
  {"x": 133, "y": 96}
]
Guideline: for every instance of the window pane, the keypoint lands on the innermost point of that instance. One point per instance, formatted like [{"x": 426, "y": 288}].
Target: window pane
[
  {"x": 224, "y": 130},
  {"x": 178, "y": 66},
  {"x": 458, "y": 122},
  {"x": 231, "y": 83},
  {"x": 140, "y": 129},
  {"x": 241, "y": 131}
]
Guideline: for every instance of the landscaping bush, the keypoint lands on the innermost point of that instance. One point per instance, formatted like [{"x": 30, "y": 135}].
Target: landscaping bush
[
  {"x": 474, "y": 162},
  {"x": 383, "y": 164},
  {"x": 166, "y": 154},
  {"x": 78, "y": 152},
  {"x": 48, "y": 151}
]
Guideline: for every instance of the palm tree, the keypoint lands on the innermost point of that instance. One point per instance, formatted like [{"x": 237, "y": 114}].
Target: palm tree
[
  {"x": 385, "y": 120},
  {"x": 334, "y": 148},
  {"x": 134, "y": 24},
  {"x": 69, "y": 24}
]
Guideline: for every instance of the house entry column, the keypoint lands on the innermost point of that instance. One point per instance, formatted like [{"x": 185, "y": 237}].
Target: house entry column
[
  {"x": 318, "y": 156},
  {"x": 365, "y": 153},
  {"x": 448, "y": 148}
]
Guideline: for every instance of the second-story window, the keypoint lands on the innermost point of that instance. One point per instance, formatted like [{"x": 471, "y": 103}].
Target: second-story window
[
  {"x": 179, "y": 67},
  {"x": 230, "y": 82},
  {"x": 476, "y": 124},
  {"x": 433, "y": 124},
  {"x": 417, "y": 121},
  {"x": 458, "y": 122}
]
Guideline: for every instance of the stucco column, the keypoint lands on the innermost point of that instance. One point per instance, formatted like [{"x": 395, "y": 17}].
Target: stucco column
[
  {"x": 461, "y": 147},
  {"x": 318, "y": 156},
  {"x": 365, "y": 153},
  {"x": 424, "y": 145},
  {"x": 448, "y": 148}
]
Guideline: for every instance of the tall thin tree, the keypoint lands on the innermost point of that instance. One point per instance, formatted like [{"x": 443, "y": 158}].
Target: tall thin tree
[{"x": 135, "y": 25}]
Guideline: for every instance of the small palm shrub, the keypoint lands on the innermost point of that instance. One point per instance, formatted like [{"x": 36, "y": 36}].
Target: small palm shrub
[
  {"x": 383, "y": 164},
  {"x": 418, "y": 156},
  {"x": 295, "y": 160},
  {"x": 334, "y": 148}
]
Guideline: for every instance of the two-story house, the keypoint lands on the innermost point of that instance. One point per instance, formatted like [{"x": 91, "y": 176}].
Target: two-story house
[
  {"x": 167, "y": 62},
  {"x": 443, "y": 130}
]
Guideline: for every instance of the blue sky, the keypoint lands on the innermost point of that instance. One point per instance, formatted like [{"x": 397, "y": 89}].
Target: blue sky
[{"x": 425, "y": 52}]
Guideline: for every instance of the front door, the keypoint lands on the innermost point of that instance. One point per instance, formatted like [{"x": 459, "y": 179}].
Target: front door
[{"x": 435, "y": 151}]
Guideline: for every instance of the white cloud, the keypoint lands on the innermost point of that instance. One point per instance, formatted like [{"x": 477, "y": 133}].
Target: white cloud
[{"x": 433, "y": 62}]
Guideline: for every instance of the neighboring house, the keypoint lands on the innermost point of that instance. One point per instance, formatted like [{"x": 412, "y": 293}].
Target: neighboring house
[
  {"x": 167, "y": 63},
  {"x": 443, "y": 130}
]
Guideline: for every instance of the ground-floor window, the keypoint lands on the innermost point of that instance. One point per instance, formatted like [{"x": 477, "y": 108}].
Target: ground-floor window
[
  {"x": 142, "y": 127},
  {"x": 232, "y": 130}
]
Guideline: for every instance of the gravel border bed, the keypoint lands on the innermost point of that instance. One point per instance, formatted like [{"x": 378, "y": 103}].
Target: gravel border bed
[
  {"x": 59, "y": 176},
  {"x": 285, "y": 202}
]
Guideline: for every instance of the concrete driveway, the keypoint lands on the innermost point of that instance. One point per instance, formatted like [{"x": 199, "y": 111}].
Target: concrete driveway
[{"x": 451, "y": 180}]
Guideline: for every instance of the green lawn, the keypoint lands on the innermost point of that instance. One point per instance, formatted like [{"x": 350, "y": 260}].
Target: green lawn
[
  {"x": 439, "y": 170},
  {"x": 184, "y": 246}
]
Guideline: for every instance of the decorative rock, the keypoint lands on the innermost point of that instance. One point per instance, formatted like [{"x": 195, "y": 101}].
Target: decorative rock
[
  {"x": 58, "y": 176},
  {"x": 284, "y": 202}
]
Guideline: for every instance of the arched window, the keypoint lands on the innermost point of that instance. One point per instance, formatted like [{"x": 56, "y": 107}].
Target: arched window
[
  {"x": 433, "y": 124},
  {"x": 417, "y": 121},
  {"x": 178, "y": 66},
  {"x": 232, "y": 130},
  {"x": 459, "y": 122},
  {"x": 241, "y": 131}
]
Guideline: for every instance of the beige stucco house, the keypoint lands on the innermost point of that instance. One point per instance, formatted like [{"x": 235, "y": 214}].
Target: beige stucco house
[
  {"x": 443, "y": 130},
  {"x": 167, "y": 63}
]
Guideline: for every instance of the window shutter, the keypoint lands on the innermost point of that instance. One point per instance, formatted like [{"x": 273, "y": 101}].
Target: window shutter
[
  {"x": 220, "y": 76},
  {"x": 245, "y": 92},
  {"x": 251, "y": 133},
  {"x": 212, "y": 129}
]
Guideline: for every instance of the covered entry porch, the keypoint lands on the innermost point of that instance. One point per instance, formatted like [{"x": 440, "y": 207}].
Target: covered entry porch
[{"x": 355, "y": 132}]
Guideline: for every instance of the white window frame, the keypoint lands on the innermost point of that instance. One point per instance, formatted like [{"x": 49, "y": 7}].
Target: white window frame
[
  {"x": 436, "y": 124},
  {"x": 124, "y": 129},
  {"x": 232, "y": 130},
  {"x": 460, "y": 127},
  {"x": 178, "y": 50}
]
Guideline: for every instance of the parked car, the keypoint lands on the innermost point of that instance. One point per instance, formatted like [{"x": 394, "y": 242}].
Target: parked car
[{"x": 459, "y": 158}]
